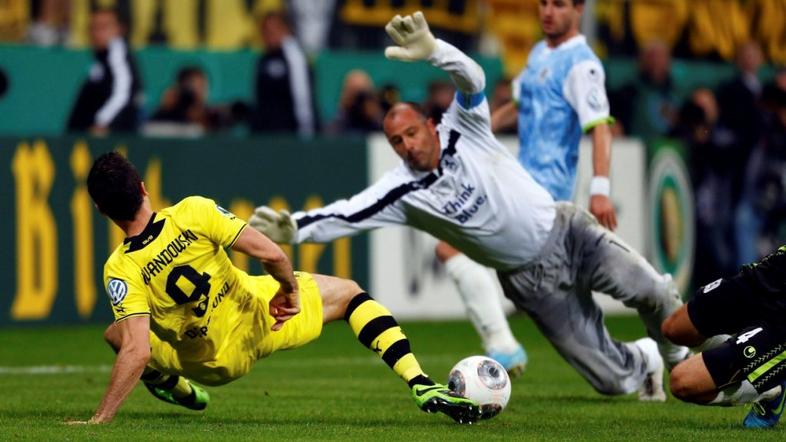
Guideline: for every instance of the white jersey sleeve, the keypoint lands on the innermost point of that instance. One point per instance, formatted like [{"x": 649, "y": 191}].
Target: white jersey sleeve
[
  {"x": 585, "y": 91},
  {"x": 377, "y": 206},
  {"x": 469, "y": 111}
]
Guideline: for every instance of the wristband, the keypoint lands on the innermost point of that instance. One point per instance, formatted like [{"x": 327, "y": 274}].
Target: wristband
[{"x": 600, "y": 185}]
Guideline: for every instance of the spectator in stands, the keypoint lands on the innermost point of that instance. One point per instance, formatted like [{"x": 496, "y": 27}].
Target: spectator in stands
[
  {"x": 647, "y": 107},
  {"x": 110, "y": 98},
  {"x": 707, "y": 143},
  {"x": 773, "y": 91},
  {"x": 51, "y": 21},
  {"x": 284, "y": 97},
  {"x": 741, "y": 109},
  {"x": 440, "y": 95},
  {"x": 185, "y": 103},
  {"x": 360, "y": 110},
  {"x": 389, "y": 95},
  {"x": 761, "y": 214}
]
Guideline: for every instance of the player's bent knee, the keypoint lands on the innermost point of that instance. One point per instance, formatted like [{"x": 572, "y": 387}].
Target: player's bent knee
[
  {"x": 351, "y": 288},
  {"x": 336, "y": 294},
  {"x": 678, "y": 329},
  {"x": 681, "y": 383}
]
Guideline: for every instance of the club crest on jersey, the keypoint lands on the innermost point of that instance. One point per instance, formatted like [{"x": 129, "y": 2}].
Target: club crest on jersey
[
  {"x": 117, "y": 290},
  {"x": 449, "y": 164},
  {"x": 544, "y": 73}
]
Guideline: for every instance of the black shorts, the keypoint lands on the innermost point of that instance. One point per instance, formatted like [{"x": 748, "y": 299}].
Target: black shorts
[
  {"x": 758, "y": 355},
  {"x": 729, "y": 305}
]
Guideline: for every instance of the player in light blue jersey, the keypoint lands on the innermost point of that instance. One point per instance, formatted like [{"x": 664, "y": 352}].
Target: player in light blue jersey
[{"x": 559, "y": 95}]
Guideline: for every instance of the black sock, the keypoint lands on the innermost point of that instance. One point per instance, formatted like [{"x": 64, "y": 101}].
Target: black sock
[{"x": 420, "y": 380}]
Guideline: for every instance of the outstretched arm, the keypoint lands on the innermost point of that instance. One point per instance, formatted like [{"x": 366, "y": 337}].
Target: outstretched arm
[
  {"x": 415, "y": 42},
  {"x": 129, "y": 364},
  {"x": 374, "y": 207}
]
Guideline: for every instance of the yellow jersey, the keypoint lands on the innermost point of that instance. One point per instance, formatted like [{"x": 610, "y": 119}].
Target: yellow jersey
[{"x": 177, "y": 272}]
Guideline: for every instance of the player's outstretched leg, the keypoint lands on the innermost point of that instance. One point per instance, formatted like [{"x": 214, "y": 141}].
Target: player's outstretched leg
[
  {"x": 481, "y": 297},
  {"x": 377, "y": 330},
  {"x": 173, "y": 389}
]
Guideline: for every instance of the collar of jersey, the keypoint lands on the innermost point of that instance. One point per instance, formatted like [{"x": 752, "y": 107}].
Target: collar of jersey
[
  {"x": 146, "y": 236},
  {"x": 573, "y": 41}
]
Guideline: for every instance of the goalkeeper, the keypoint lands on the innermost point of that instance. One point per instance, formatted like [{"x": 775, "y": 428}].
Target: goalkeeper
[
  {"x": 458, "y": 183},
  {"x": 183, "y": 311}
]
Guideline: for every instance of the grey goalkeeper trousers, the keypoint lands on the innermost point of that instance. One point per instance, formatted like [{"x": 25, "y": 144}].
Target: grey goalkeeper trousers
[{"x": 556, "y": 291}]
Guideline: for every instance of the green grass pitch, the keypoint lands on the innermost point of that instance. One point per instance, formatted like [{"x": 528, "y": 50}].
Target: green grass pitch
[{"x": 333, "y": 389}]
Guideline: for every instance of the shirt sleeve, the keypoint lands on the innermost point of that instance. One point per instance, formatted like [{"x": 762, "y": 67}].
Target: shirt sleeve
[
  {"x": 121, "y": 84},
  {"x": 585, "y": 91},
  {"x": 220, "y": 225},
  {"x": 127, "y": 295},
  {"x": 469, "y": 109},
  {"x": 377, "y": 206}
]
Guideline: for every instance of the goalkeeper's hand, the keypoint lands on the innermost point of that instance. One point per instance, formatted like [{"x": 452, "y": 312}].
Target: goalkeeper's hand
[
  {"x": 279, "y": 226},
  {"x": 411, "y": 34}
]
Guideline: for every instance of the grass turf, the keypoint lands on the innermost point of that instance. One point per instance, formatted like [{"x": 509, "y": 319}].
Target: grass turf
[{"x": 334, "y": 389}]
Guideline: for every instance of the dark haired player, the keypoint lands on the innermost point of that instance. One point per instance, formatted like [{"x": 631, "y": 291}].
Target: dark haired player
[
  {"x": 750, "y": 367},
  {"x": 183, "y": 311}
]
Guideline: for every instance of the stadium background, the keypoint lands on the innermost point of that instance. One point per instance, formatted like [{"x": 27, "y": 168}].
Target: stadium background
[{"x": 54, "y": 243}]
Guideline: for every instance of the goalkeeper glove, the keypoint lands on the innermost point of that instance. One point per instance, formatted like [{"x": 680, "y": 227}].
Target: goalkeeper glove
[
  {"x": 279, "y": 226},
  {"x": 411, "y": 34}
]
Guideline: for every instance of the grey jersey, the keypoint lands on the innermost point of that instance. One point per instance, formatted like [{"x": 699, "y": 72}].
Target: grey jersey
[{"x": 479, "y": 199}]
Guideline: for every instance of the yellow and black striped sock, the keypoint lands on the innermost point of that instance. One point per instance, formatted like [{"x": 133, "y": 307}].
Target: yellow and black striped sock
[
  {"x": 178, "y": 385},
  {"x": 376, "y": 329}
]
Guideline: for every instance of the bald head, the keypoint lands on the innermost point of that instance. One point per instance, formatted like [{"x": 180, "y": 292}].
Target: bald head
[
  {"x": 412, "y": 136},
  {"x": 406, "y": 108}
]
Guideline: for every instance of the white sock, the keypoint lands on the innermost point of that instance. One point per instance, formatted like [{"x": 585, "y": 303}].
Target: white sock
[
  {"x": 743, "y": 393},
  {"x": 482, "y": 299},
  {"x": 710, "y": 343}
]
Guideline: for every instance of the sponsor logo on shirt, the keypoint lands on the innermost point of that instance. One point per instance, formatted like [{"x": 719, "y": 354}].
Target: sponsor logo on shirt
[
  {"x": 225, "y": 212},
  {"x": 459, "y": 209},
  {"x": 117, "y": 290}
]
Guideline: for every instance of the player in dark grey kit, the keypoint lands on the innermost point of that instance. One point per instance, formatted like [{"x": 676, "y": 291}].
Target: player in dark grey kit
[
  {"x": 458, "y": 183},
  {"x": 750, "y": 367}
]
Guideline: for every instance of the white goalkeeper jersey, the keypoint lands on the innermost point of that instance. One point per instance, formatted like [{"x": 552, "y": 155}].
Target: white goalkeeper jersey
[{"x": 479, "y": 199}]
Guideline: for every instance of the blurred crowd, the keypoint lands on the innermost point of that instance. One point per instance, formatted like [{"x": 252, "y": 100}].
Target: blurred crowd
[
  {"x": 734, "y": 133},
  {"x": 735, "y": 140}
]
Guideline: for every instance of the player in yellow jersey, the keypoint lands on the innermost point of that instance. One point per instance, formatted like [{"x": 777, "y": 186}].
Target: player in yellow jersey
[{"x": 183, "y": 312}]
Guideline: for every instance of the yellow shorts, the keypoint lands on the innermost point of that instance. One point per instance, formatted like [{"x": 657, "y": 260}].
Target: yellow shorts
[{"x": 250, "y": 337}]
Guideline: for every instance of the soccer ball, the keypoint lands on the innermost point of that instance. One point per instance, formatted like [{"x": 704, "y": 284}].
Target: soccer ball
[{"x": 482, "y": 380}]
